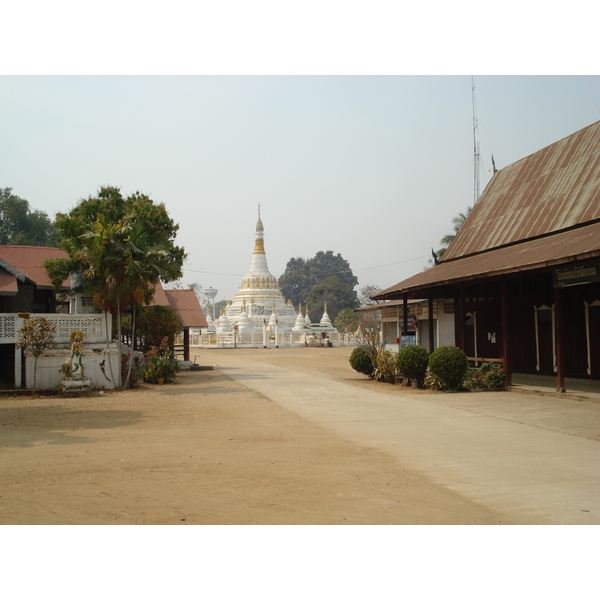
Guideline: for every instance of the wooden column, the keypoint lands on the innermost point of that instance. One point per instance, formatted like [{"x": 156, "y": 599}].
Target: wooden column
[
  {"x": 430, "y": 321},
  {"x": 559, "y": 337},
  {"x": 505, "y": 334},
  {"x": 459, "y": 316},
  {"x": 186, "y": 343}
]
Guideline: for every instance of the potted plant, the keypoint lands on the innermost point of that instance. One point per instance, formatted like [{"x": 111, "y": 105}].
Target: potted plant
[{"x": 160, "y": 364}]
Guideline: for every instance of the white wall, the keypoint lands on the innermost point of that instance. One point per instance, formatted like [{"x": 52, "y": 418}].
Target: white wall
[{"x": 49, "y": 373}]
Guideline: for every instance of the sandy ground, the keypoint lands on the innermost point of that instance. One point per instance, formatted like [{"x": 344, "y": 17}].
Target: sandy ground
[{"x": 206, "y": 450}]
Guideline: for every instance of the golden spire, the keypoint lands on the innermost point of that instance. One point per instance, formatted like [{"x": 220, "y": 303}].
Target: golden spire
[{"x": 259, "y": 244}]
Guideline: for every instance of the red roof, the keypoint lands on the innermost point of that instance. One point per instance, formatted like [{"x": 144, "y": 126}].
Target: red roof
[
  {"x": 186, "y": 305},
  {"x": 8, "y": 284},
  {"x": 28, "y": 261},
  {"x": 183, "y": 302}
]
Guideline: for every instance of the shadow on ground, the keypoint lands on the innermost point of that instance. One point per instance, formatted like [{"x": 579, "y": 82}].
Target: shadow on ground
[{"x": 53, "y": 424}]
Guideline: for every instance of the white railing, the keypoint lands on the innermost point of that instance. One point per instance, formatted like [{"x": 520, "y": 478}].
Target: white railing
[{"x": 93, "y": 326}]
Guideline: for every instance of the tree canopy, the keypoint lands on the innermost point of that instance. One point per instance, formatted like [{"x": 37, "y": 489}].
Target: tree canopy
[
  {"x": 110, "y": 203},
  {"x": 20, "y": 226},
  {"x": 365, "y": 293},
  {"x": 324, "y": 278},
  {"x": 109, "y": 207}
]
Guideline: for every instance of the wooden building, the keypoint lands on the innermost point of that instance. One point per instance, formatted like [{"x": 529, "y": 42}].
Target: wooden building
[{"x": 524, "y": 270}]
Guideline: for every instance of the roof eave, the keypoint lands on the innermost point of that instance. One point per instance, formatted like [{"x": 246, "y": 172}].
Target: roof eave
[{"x": 420, "y": 289}]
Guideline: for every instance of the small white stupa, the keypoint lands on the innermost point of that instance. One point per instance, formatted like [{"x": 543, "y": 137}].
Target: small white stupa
[
  {"x": 300, "y": 323},
  {"x": 223, "y": 324},
  {"x": 244, "y": 324},
  {"x": 325, "y": 320}
]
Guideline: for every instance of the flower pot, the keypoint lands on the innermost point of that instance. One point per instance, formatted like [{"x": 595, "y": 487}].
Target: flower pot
[{"x": 160, "y": 380}]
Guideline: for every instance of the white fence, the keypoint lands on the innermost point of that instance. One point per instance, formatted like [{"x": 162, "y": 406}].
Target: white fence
[
  {"x": 94, "y": 327},
  {"x": 256, "y": 340}
]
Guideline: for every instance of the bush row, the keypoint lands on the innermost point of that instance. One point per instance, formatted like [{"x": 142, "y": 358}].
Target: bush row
[{"x": 446, "y": 368}]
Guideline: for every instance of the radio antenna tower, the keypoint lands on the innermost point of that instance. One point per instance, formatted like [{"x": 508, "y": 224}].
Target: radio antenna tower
[{"x": 476, "y": 157}]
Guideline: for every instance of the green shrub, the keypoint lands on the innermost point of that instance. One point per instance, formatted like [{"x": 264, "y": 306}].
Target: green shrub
[
  {"x": 490, "y": 376},
  {"x": 412, "y": 364},
  {"x": 449, "y": 366},
  {"x": 361, "y": 361},
  {"x": 386, "y": 367}
]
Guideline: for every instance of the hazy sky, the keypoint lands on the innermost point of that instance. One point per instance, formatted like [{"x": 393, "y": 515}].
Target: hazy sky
[{"x": 371, "y": 167}]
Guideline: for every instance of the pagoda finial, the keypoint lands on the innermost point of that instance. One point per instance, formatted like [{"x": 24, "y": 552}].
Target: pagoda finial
[{"x": 259, "y": 244}]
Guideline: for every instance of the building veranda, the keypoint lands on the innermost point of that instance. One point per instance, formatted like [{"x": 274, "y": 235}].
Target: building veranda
[{"x": 522, "y": 277}]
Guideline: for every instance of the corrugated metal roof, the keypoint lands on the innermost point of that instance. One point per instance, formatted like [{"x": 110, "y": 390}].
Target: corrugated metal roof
[
  {"x": 29, "y": 261},
  {"x": 567, "y": 246},
  {"x": 556, "y": 188}
]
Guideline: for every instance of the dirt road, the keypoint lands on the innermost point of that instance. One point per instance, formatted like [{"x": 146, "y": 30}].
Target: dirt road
[{"x": 207, "y": 450}]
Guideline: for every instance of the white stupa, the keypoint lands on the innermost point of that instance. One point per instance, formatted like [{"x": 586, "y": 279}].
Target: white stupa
[
  {"x": 300, "y": 324},
  {"x": 223, "y": 324},
  {"x": 259, "y": 298}
]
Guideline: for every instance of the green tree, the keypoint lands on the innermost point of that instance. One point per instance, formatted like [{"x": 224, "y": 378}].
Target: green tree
[
  {"x": 296, "y": 282},
  {"x": 21, "y": 226},
  {"x": 346, "y": 320},
  {"x": 123, "y": 262},
  {"x": 157, "y": 322},
  {"x": 324, "y": 278},
  {"x": 110, "y": 203},
  {"x": 36, "y": 336},
  {"x": 331, "y": 291}
]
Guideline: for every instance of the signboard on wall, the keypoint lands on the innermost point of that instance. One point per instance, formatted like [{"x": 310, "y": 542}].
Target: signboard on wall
[
  {"x": 409, "y": 340},
  {"x": 576, "y": 273}
]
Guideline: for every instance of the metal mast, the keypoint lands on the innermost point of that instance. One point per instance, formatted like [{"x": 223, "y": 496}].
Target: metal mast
[{"x": 476, "y": 157}]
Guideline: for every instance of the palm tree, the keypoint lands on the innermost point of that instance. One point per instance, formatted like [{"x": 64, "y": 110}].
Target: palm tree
[
  {"x": 458, "y": 221},
  {"x": 123, "y": 263}
]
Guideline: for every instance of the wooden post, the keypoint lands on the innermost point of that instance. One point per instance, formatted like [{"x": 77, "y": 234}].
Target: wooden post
[
  {"x": 186, "y": 343},
  {"x": 505, "y": 334},
  {"x": 459, "y": 316},
  {"x": 558, "y": 332},
  {"x": 430, "y": 322}
]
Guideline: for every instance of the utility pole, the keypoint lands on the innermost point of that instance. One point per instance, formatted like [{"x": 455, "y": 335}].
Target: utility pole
[{"x": 476, "y": 157}]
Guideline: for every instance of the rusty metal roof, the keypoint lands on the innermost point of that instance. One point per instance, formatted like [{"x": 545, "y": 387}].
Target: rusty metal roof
[
  {"x": 28, "y": 261},
  {"x": 551, "y": 190},
  {"x": 540, "y": 211},
  {"x": 567, "y": 246}
]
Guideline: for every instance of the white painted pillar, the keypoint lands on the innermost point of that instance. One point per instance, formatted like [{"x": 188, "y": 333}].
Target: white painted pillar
[
  {"x": 18, "y": 367},
  {"x": 18, "y": 355}
]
